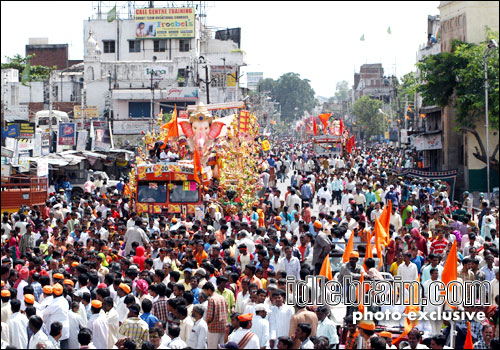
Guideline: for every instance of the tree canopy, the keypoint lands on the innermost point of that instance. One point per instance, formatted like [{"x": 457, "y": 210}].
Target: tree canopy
[
  {"x": 369, "y": 119},
  {"x": 294, "y": 94},
  {"x": 342, "y": 91},
  {"x": 457, "y": 78},
  {"x": 36, "y": 73}
]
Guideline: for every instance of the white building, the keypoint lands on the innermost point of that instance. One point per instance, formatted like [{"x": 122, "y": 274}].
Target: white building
[{"x": 129, "y": 75}]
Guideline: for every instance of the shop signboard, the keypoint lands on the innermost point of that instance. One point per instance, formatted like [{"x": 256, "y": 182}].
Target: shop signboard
[{"x": 67, "y": 133}]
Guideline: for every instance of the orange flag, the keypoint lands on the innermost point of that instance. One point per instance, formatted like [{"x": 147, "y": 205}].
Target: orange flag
[
  {"x": 348, "y": 248},
  {"x": 326, "y": 269},
  {"x": 450, "y": 269},
  {"x": 315, "y": 127},
  {"x": 197, "y": 166},
  {"x": 469, "y": 344},
  {"x": 324, "y": 119},
  {"x": 381, "y": 232},
  {"x": 369, "y": 251},
  {"x": 361, "y": 306},
  {"x": 172, "y": 127},
  {"x": 385, "y": 220}
]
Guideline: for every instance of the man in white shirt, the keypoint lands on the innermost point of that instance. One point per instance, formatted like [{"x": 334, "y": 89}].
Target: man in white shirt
[
  {"x": 260, "y": 325},
  {"x": 243, "y": 336},
  {"x": 396, "y": 219},
  {"x": 135, "y": 234},
  {"x": 17, "y": 323},
  {"x": 35, "y": 324},
  {"x": 408, "y": 271},
  {"x": 176, "y": 342},
  {"x": 198, "y": 336},
  {"x": 113, "y": 321},
  {"x": 326, "y": 327},
  {"x": 57, "y": 312},
  {"x": 290, "y": 264},
  {"x": 279, "y": 320},
  {"x": 99, "y": 325},
  {"x": 76, "y": 323},
  {"x": 186, "y": 323}
]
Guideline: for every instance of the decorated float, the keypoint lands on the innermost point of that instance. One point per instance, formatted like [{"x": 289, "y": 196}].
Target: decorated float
[{"x": 222, "y": 154}]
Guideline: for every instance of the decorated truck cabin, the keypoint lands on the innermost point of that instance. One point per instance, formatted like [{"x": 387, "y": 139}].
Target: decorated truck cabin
[{"x": 169, "y": 188}]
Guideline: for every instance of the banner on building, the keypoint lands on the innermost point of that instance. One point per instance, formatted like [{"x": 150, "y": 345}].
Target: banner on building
[
  {"x": 81, "y": 142},
  {"x": 253, "y": 79},
  {"x": 45, "y": 143},
  {"x": 90, "y": 111},
  {"x": 67, "y": 134},
  {"x": 24, "y": 163},
  {"x": 42, "y": 168},
  {"x": 10, "y": 130},
  {"x": 447, "y": 177},
  {"x": 153, "y": 23},
  {"x": 157, "y": 72},
  {"x": 24, "y": 145},
  {"x": 102, "y": 141},
  {"x": 427, "y": 142},
  {"x": 37, "y": 146}
]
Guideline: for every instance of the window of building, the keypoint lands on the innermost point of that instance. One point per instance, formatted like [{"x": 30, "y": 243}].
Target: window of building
[
  {"x": 139, "y": 109},
  {"x": 160, "y": 45},
  {"x": 109, "y": 46},
  {"x": 134, "y": 46},
  {"x": 184, "y": 45}
]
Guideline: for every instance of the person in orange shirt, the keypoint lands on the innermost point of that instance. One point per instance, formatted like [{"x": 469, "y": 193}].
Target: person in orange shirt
[
  {"x": 200, "y": 254},
  {"x": 220, "y": 235}
]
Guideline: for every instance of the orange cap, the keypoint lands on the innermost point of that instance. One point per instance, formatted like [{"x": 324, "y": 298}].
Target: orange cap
[
  {"x": 3, "y": 283},
  {"x": 125, "y": 287},
  {"x": 5, "y": 293},
  {"x": 245, "y": 317},
  {"x": 353, "y": 255},
  {"x": 318, "y": 224},
  {"x": 29, "y": 298},
  {"x": 70, "y": 282},
  {"x": 59, "y": 276},
  {"x": 277, "y": 218},
  {"x": 367, "y": 325},
  {"x": 47, "y": 290},
  {"x": 385, "y": 334},
  {"x": 74, "y": 264},
  {"x": 57, "y": 289},
  {"x": 96, "y": 303}
]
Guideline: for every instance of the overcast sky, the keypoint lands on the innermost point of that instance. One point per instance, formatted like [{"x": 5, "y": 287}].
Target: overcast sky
[{"x": 318, "y": 40}]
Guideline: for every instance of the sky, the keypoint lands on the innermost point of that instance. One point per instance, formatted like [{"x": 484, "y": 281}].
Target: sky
[{"x": 318, "y": 40}]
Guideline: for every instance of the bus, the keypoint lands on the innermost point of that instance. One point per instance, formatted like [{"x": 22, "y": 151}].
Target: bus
[{"x": 167, "y": 187}]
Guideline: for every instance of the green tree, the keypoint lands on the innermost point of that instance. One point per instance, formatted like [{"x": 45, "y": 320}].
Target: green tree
[
  {"x": 457, "y": 79},
  {"x": 37, "y": 73},
  {"x": 342, "y": 91},
  {"x": 369, "y": 119},
  {"x": 294, "y": 94}
]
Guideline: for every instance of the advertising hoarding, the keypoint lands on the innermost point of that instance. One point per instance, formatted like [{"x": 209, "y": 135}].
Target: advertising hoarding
[
  {"x": 67, "y": 134},
  {"x": 167, "y": 23}
]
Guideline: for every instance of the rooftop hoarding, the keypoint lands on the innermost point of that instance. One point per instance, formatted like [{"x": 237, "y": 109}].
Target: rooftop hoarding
[{"x": 165, "y": 23}]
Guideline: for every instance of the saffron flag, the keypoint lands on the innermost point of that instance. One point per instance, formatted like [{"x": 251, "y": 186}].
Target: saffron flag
[
  {"x": 326, "y": 269},
  {"x": 469, "y": 344},
  {"x": 315, "y": 127},
  {"x": 361, "y": 306},
  {"x": 173, "y": 130},
  {"x": 369, "y": 251},
  {"x": 341, "y": 127},
  {"x": 353, "y": 142},
  {"x": 324, "y": 119},
  {"x": 197, "y": 166},
  {"x": 385, "y": 221},
  {"x": 348, "y": 146},
  {"x": 348, "y": 248},
  {"x": 450, "y": 269}
]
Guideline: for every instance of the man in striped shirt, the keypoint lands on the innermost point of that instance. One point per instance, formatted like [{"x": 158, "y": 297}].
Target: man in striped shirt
[{"x": 439, "y": 244}]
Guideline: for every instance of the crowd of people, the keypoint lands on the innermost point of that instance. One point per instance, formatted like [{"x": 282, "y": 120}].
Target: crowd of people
[{"x": 90, "y": 272}]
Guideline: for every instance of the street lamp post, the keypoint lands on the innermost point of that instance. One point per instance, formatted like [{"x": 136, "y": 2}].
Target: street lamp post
[{"x": 492, "y": 44}]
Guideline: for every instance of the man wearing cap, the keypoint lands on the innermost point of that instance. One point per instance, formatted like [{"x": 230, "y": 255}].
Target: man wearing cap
[
  {"x": 122, "y": 292},
  {"x": 260, "y": 325},
  {"x": 47, "y": 297},
  {"x": 134, "y": 327},
  {"x": 23, "y": 282},
  {"x": 6, "y": 309},
  {"x": 243, "y": 336},
  {"x": 58, "y": 311},
  {"x": 366, "y": 331},
  {"x": 388, "y": 339},
  {"x": 98, "y": 324},
  {"x": 322, "y": 247}
]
